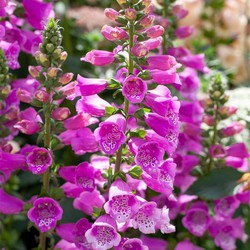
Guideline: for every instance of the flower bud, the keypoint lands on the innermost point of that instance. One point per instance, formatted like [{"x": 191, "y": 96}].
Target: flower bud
[
  {"x": 24, "y": 96},
  {"x": 34, "y": 71},
  {"x": 66, "y": 78},
  {"x": 184, "y": 31},
  {"x": 217, "y": 151},
  {"x": 139, "y": 50},
  {"x": 130, "y": 14},
  {"x": 111, "y": 14},
  {"x": 61, "y": 114},
  {"x": 147, "y": 21},
  {"x": 226, "y": 112},
  {"x": 42, "y": 96},
  {"x": 56, "y": 54},
  {"x": 52, "y": 72},
  {"x": 208, "y": 119},
  {"x": 121, "y": 2},
  {"x": 154, "y": 31}
]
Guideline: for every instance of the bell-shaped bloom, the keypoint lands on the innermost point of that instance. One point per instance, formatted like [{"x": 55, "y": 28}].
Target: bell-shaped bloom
[
  {"x": 233, "y": 129},
  {"x": 45, "y": 213},
  {"x": 12, "y": 51},
  {"x": 79, "y": 231},
  {"x": 149, "y": 156},
  {"x": 153, "y": 43},
  {"x": 165, "y": 77},
  {"x": 65, "y": 231},
  {"x": 238, "y": 150},
  {"x": 154, "y": 243},
  {"x": 162, "y": 62},
  {"x": 61, "y": 113},
  {"x": 197, "y": 219},
  {"x": 38, "y": 160},
  {"x": 110, "y": 133},
  {"x": 93, "y": 105},
  {"x": 87, "y": 201},
  {"x": 217, "y": 151},
  {"x": 134, "y": 89},
  {"x": 154, "y": 31},
  {"x": 99, "y": 57},
  {"x": 225, "y": 232},
  {"x": 185, "y": 57},
  {"x": 65, "y": 245},
  {"x": 122, "y": 204},
  {"x": 147, "y": 20},
  {"x": 113, "y": 33},
  {"x": 187, "y": 245},
  {"x": 38, "y": 12},
  {"x": 139, "y": 50},
  {"x": 11, "y": 162},
  {"x": 111, "y": 14},
  {"x": 163, "y": 183},
  {"x": 133, "y": 243},
  {"x": 10, "y": 204},
  {"x": 71, "y": 190},
  {"x": 179, "y": 11},
  {"x": 184, "y": 31},
  {"x": 226, "y": 206},
  {"x": 91, "y": 86},
  {"x": 103, "y": 235}
]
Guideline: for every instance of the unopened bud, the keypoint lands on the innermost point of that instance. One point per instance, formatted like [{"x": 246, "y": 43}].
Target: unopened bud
[
  {"x": 50, "y": 47},
  {"x": 43, "y": 60},
  {"x": 56, "y": 54},
  {"x": 147, "y": 21},
  {"x": 130, "y": 14},
  {"x": 52, "y": 72},
  {"x": 34, "y": 72},
  {"x": 63, "y": 56},
  {"x": 121, "y": 2},
  {"x": 24, "y": 96},
  {"x": 61, "y": 114},
  {"x": 111, "y": 14},
  {"x": 66, "y": 78},
  {"x": 139, "y": 50},
  {"x": 42, "y": 96}
]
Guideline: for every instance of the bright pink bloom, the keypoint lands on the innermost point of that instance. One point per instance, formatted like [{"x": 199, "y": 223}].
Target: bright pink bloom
[
  {"x": 153, "y": 43},
  {"x": 38, "y": 160},
  {"x": 187, "y": 245},
  {"x": 111, "y": 14},
  {"x": 179, "y": 11},
  {"x": 45, "y": 213},
  {"x": 154, "y": 31},
  {"x": 91, "y": 86},
  {"x": 102, "y": 234},
  {"x": 217, "y": 151},
  {"x": 113, "y": 34},
  {"x": 134, "y": 243},
  {"x": 165, "y": 77},
  {"x": 99, "y": 57},
  {"x": 147, "y": 21},
  {"x": 226, "y": 206},
  {"x": 233, "y": 129},
  {"x": 162, "y": 62},
  {"x": 134, "y": 89},
  {"x": 184, "y": 31},
  {"x": 110, "y": 133},
  {"x": 61, "y": 113},
  {"x": 10, "y": 204},
  {"x": 140, "y": 50},
  {"x": 154, "y": 243},
  {"x": 12, "y": 51},
  {"x": 122, "y": 204}
]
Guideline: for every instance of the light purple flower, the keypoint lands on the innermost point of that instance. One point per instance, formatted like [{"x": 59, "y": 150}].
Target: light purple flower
[
  {"x": 226, "y": 206},
  {"x": 154, "y": 243},
  {"x": 113, "y": 33},
  {"x": 162, "y": 62},
  {"x": 12, "y": 51},
  {"x": 10, "y": 204},
  {"x": 169, "y": 76},
  {"x": 139, "y": 50},
  {"x": 110, "y": 133},
  {"x": 91, "y": 86},
  {"x": 184, "y": 31},
  {"x": 134, "y": 89},
  {"x": 102, "y": 235},
  {"x": 197, "y": 219},
  {"x": 128, "y": 244},
  {"x": 149, "y": 157},
  {"x": 99, "y": 57},
  {"x": 122, "y": 203},
  {"x": 38, "y": 160},
  {"x": 187, "y": 245},
  {"x": 45, "y": 213}
]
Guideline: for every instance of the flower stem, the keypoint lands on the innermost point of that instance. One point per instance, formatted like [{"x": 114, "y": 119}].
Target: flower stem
[{"x": 126, "y": 102}]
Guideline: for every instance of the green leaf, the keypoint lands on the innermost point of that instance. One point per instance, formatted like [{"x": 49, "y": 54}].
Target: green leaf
[
  {"x": 109, "y": 110},
  {"x": 219, "y": 183},
  {"x": 139, "y": 133}
]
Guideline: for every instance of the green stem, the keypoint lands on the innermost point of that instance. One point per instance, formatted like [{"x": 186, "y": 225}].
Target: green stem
[
  {"x": 43, "y": 241},
  {"x": 126, "y": 102}
]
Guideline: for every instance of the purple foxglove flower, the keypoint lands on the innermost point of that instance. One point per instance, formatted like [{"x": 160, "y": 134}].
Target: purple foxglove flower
[
  {"x": 184, "y": 31},
  {"x": 179, "y": 11},
  {"x": 2, "y": 32},
  {"x": 65, "y": 245},
  {"x": 11, "y": 162},
  {"x": 197, "y": 219},
  {"x": 164, "y": 181},
  {"x": 162, "y": 126},
  {"x": 84, "y": 176},
  {"x": 128, "y": 244},
  {"x": 217, "y": 151},
  {"x": 99, "y": 57},
  {"x": 243, "y": 197},
  {"x": 185, "y": 57},
  {"x": 165, "y": 77},
  {"x": 113, "y": 33},
  {"x": 154, "y": 243},
  {"x": 225, "y": 232},
  {"x": 38, "y": 12},
  {"x": 93, "y": 105},
  {"x": 61, "y": 113},
  {"x": 122, "y": 203},
  {"x": 139, "y": 50},
  {"x": 79, "y": 231},
  {"x": 149, "y": 157},
  {"x": 65, "y": 231},
  {"x": 11, "y": 53},
  {"x": 28, "y": 84},
  {"x": 71, "y": 190},
  {"x": 130, "y": 14},
  {"x": 38, "y": 160},
  {"x": 10, "y": 204},
  {"x": 233, "y": 129},
  {"x": 154, "y": 31},
  {"x": 111, "y": 14},
  {"x": 110, "y": 134},
  {"x": 238, "y": 150},
  {"x": 45, "y": 213},
  {"x": 190, "y": 84},
  {"x": 187, "y": 245},
  {"x": 162, "y": 62},
  {"x": 88, "y": 200},
  {"x": 226, "y": 206},
  {"x": 102, "y": 235},
  {"x": 153, "y": 43},
  {"x": 147, "y": 21},
  {"x": 164, "y": 223},
  {"x": 184, "y": 181},
  {"x": 134, "y": 89},
  {"x": 90, "y": 86},
  {"x": 68, "y": 173},
  {"x": 236, "y": 162},
  {"x": 80, "y": 120},
  {"x": 32, "y": 41}
]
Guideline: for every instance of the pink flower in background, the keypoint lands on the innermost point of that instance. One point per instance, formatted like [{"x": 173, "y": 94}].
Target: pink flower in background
[
  {"x": 99, "y": 57},
  {"x": 45, "y": 213}
]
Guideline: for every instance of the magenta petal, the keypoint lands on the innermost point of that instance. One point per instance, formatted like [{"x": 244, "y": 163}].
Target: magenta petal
[
  {"x": 65, "y": 231},
  {"x": 10, "y": 204}
]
